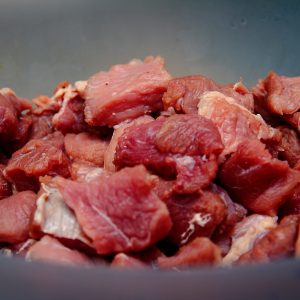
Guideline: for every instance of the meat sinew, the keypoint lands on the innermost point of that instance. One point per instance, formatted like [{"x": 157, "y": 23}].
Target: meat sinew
[
  {"x": 134, "y": 169},
  {"x": 126, "y": 91}
]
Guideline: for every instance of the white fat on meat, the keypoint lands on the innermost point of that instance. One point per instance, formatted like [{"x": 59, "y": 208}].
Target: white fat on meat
[
  {"x": 199, "y": 219},
  {"x": 54, "y": 217},
  {"x": 235, "y": 122},
  {"x": 246, "y": 233}
]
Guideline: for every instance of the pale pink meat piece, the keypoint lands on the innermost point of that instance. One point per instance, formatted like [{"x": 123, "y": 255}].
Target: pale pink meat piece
[
  {"x": 235, "y": 123},
  {"x": 125, "y": 261},
  {"x": 85, "y": 172},
  {"x": 126, "y": 91},
  {"x": 85, "y": 147},
  {"x": 16, "y": 213},
  {"x": 50, "y": 250},
  {"x": 118, "y": 213}
]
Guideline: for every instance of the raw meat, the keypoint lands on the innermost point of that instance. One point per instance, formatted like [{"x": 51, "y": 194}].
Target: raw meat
[
  {"x": 200, "y": 252},
  {"x": 194, "y": 215},
  {"x": 85, "y": 147},
  {"x": 16, "y": 213},
  {"x": 119, "y": 213},
  {"x": 51, "y": 250},
  {"x": 276, "y": 244},
  {"x": 246, "y": 233},
  {"x": 256, "y": 180},
  {"x": 235, "y": 123},
  {"x": 39, "y": 157},
  {"x": 83, "y": 171},
  {"x": 122, "y": 260},
  {"x": 5, "y": 186},
  {"x": 126, "y": 91}
]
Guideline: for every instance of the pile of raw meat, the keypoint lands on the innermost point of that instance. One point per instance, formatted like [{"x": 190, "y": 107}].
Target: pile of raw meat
[{"x": 134, "y": 168}]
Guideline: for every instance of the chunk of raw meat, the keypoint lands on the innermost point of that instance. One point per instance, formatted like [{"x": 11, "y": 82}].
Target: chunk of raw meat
[
  {"x": 200, "y": 252},
  {"x": 85, "y": 172},
  {"x": 54, "y": 217},
  {"x": 85, "y": 147},
  {"x": 126, "y": 91},
  {"x": 51, "y": 250},
  {"x": 16, "y": 213},
  {"x": 283, "y": 93},
  {"x": 120, "y": 213},
  {"x": 5, "y": 186},
  {"x": 256, "y": 180},
  {"x": 194, "y": 215},
  {"x": 122, "y": 260},
  {"x": 235, "y": 123},
  {"x": 21, "y": 135},
  {"x": 292, "y": 205},
  {"x": 188, "y": 135},
  {"x": 276, "y": 244},
  {"x": 19, "y": 103},
  {"x": 41, "y": 126},
  {"x": 118, "y": 131},
  {"x": 39, "y": 157},
  {"x": 183, "y": 93},
  {"x": 297, "y": 244},
  {"x": 289, "y": 147},
  {"x": 235, "y": 213},
  {"x": 150, "y": 144},
  {"x": 246, "y": 233}
]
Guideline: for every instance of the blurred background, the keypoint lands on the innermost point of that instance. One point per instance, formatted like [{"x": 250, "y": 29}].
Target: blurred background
[{"x": 44, "y": 42}]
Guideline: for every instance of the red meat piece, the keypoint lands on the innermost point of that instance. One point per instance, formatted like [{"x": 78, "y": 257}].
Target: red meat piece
[
  {"x": 119, "y": 213},
  {"x": 188, "y": 135},
  {"x": 126, "y": 91},
  {"x": 183, "y": 93},
  {"x": 39, "y": 157},
  {"x": 278, "y": 243},
  {"x": 5, "y": 186},
  {"x": 51, "y": 250},
  {"x": 194, "y": 215},
  {"x": 289, "y": 147},
  {"x": 235, "y": 123},
  {"x": 16, "y": 213},
  {"x": 122, "y": 260},
  {"x": 160, "y": 146},
  {"x": 118, "y": 131},
  {"x": 235, "y": 213},
  {"x": 257, "y": 181},
  {"x": 85, "y": 147},
  {"x": 200, "y": 252},
  {"x": 41, "y": 126},
  {"x": 292, "y": 205}
]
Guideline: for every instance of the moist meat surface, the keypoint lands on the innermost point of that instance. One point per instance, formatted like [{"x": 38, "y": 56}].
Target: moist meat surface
[{"x": 134, "y": 168}]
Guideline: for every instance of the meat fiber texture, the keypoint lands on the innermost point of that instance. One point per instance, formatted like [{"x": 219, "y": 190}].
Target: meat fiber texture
[{"x": 133, "y": 169}]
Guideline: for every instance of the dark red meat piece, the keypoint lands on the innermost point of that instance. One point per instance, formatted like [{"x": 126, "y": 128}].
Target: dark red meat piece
[
  {"x": 160, "y": 146},
  {"x": 126, "y": 91},
  {"x": 119, "y": 213},
  {"x": 199, "y": 252},
  {"x": 5, "y": 186},
  {"x": 278, "y": 243},
  {"x": 85, "y": 147},
  {"x": 16, "y": 213},
  {"x": 41, "y": 126},
  {"x": 257, "y": 181},
  {"x": 39, "y": 157},
  {"x": 194, "y": 215},
  {"x": 234, "y": 214},
  {"x": 292, "y": 205},
  {"x": 289, "y": 147}
]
